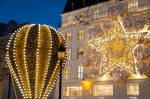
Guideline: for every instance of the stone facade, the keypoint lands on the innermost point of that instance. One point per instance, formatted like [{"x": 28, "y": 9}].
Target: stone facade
[{"x": 83, "y": 19}]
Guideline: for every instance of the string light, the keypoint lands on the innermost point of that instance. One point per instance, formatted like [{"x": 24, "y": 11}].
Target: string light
[{"x": 31, "y": 54}]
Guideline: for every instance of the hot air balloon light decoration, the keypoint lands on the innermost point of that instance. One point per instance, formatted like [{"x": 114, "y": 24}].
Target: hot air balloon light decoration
[{"x": 33, "y": 60}]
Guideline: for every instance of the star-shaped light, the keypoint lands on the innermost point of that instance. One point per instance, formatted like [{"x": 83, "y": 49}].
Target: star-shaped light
[{"x": 115, "y": 48}]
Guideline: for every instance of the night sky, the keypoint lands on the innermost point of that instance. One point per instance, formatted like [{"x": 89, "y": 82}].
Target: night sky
[{"x": 32, "y": 11}]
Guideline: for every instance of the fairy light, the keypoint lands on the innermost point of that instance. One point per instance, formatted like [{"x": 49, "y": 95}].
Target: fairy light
[
  {"x": 51, "y": 85},
  {"x": 48, "y": 60},
  {"x": 20, "y": 78},
  {"x": 10, "y": 65},
  {"x": 27, "y": 74},
  {"x": 37, "y": 66},
  {"x": 16, "y": 63}
]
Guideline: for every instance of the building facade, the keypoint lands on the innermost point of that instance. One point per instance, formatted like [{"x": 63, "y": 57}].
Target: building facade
[{"x": 81, "y": 21}]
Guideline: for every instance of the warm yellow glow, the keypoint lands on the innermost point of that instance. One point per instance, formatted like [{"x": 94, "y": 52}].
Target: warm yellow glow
[
  {"x": 73, "y": 91},
  {"x": 31, "y": 57},
  {"x": 83, "y": 81},
  {"x": 103, "y": 90},
  {"x": 133, "y": 89}
]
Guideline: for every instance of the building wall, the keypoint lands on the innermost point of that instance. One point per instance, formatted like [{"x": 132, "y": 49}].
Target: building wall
[{"x": 119, "y": 92}]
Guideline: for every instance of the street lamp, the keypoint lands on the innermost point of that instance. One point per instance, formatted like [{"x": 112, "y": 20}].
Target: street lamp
[{"x": 61, "y": 56}]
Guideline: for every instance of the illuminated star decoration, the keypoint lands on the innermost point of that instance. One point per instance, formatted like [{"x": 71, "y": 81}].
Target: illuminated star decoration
[
  {"x": 111, "y": 45},
  {"x": 116, "y": 49},
  {"x": 110, "y": 50}
]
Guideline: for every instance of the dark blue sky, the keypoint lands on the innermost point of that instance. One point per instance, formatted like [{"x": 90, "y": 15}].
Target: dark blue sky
[{"x": 32, "y": 11}]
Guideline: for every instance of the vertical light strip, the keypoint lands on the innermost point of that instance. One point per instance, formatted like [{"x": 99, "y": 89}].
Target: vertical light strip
[
  {"x": 27, "y": 75},
  {"x": 11, "y": 68},
  {"x": 49, "y": 88},
  {"x": 45, "y": 93},
  {"x": 48, "y": 61},
  {"x": 16, "y": 63},
  {"x": 51, "y": 85},
  {"x": 37, "y": 66}
]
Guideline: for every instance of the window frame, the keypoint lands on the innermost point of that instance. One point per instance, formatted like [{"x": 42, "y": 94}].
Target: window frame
[
  {"x": 66, "y": 72},
  {"x": 69, "y": 20},
  {"x": 75, "y": 91},
  {"x": 102, "y": 87},
  {"x": 135, "y": 85},
  {"x": 95, "y": 14},
  {"x": 80, "y": 52},
  {"x": 80, "y": 72},
  {"x": 69, "y": 53},
  {"x": 80, "y": 34},
  {"x": 133, "y": 6},
  {"x": 68, "y": 37}
]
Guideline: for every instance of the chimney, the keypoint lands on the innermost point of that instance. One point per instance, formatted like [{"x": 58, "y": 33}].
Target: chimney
[
  {"x": 72, "y": 4},
  {"x": 84, "y": 2}
]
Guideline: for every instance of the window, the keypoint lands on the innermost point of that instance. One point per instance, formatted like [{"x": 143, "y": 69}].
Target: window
[
  {"x": 69, "y": 20},
  {"x": 95, "y": 15},
  {"x": 80, "y": 71},
  {"x": 80, "y": 34},
  {"x": 66, "y": 72},
  {"x": 69, "y": 54},
  {"x": 81, "y": 17},
  {"x": 79, "y": 52},
  {"x": 133, "y": 89},
  {"x": 133, "y": 6},
  {"x": 103, "y": 90},
  {"x": 68, "y": 37},
  {"x": 73, "y": 91}
]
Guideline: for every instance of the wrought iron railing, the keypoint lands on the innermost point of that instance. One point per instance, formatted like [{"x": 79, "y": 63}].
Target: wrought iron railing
[{"x": 93, "y": 17}]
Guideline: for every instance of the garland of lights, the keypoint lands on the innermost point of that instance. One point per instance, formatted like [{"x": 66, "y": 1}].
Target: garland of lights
[
  {"x": 32, "y": 59},
  {"x": 118, "y": 46}
]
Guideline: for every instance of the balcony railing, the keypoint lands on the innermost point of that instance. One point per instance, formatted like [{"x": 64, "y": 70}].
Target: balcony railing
[
  {"x": 84, "y": 19},
  {"x": 139, "y": 8},
  {"x": 93, "y": 17}
]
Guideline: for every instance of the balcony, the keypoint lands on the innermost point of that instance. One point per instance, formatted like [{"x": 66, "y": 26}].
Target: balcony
[
  {"x": 92, "y": 17},
  {"x": 84, "y": 19},
  {"x": 139, "y": 8}
]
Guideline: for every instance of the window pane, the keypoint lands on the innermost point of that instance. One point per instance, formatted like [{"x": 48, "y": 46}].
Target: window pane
[
  {"x": 80, "y": 72},
  {"x": 69, "y": 54},
  {"x": 73, "y": 91},
  {"x": 69, "y": 20},
  {"x": 67, "y": 73},
  {"x": 103, "y": 90},
  {"x": 68, "y": 37},
  {"x": 133, "y": 89},
  {"x": 79, "y": 52},
  {"x": 80, "y": 34}
]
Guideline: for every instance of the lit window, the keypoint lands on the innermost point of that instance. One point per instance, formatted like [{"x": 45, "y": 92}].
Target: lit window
[
  {"x": 80, "y": 34},
  {"x": 69, "y": 20},
  {"x": 95, "y": 15},
  {"x": 66, "y": 72},
  {"x": 80, "y": 71},
  {"x": 73, "y": 91},
  {"x": 103, "y": 90},
  {"x": 69, "y": 54},
  {"x": 81, "y": 17},
  {"x": 68, "y": 37},
  {"x": 79, "y": 52},
  {"x": 133, "y": 6},
  {"x": 133, "y": 89}
]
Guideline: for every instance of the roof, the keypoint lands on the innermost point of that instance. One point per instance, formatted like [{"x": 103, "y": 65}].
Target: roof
[{"x": 78, "y": 4}]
